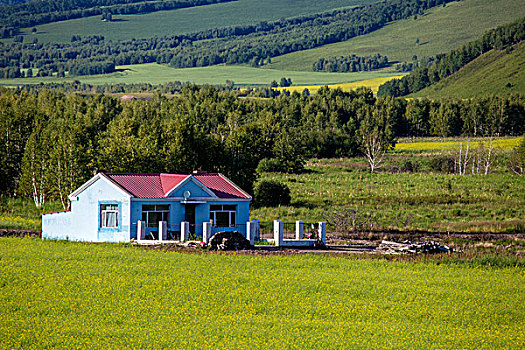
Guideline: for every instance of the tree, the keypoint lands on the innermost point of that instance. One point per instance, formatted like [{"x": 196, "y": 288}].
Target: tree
[
  {"x": 517, "y": 158},
  {"x": 375, "y": 135}
]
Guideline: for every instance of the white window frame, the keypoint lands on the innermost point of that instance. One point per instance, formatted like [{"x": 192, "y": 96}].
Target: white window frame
[
  {"x": 165, "y": 214},
  {"x": 232, "y": 214},
  {"x": 105, "y": 212}
]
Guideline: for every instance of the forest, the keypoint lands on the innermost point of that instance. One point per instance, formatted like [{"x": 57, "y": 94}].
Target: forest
[
  {"x": 353, "y": 63},
  {"x": 501, "y": 38},
  {"x": 230, "y": 45},
  {"x": 51, "y": 142}
]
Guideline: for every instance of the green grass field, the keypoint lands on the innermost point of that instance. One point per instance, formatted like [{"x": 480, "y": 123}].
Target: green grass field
[
  {"x": 240, "y": 12},
  {"x": 242, "y": 75},
  {"x": 440, "y": 30},
  {"x": 67, "y": 295},
  {"x": 493, "y": 73}
]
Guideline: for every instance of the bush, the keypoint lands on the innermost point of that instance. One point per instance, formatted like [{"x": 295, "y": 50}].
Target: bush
[
  {"x": 443, "y": 164},
  {"x": 270, "y": 165},
  {"x": 269, "y": 193}
]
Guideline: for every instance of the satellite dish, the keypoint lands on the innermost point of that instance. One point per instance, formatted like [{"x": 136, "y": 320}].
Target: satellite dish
[{"x": 187, "y": 195}]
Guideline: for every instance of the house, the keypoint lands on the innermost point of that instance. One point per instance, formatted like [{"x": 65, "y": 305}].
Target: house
[{"x": 111, "y": 206}]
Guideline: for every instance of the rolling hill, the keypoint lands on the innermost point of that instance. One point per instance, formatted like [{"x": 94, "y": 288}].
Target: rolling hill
[
  {"x": 186, "y": 20},
  {"x": 440, "y": 30},
  {"x": 496, "y": 72}
]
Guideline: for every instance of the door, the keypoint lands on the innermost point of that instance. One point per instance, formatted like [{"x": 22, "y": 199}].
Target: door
[{"x": 189, "y": 216}]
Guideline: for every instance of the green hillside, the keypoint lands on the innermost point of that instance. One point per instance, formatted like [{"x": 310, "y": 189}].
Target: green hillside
[
  {"x": 440, "y": 30},
  {"x": 496, "y": 72},
  {"x": 185, "y": 20}
]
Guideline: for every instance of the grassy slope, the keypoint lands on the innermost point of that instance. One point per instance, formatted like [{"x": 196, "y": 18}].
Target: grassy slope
[
  {"x": 187, "y": 20},
  {"x": 241, "y": 75},
  {"x": 488, "y": 74},
  {"x": 439, "y": 31},
  {"x": 71, "y": 295}
]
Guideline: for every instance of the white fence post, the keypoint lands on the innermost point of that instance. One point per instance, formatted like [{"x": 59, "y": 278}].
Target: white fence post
[
  {"x": 184, "y": 231},
  {"x": 206, "y": 232},
  {"x": 141, "y": 230},
  {"x": 322, "y": 232},
  {"x": 250, "y": 232},
  {"x": 278, "y": 232},
  {"x": 163, "y": 230},
  {"x": 299, "y": 229}
]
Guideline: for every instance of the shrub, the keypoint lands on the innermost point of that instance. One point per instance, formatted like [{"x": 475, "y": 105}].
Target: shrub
[
  {"x": 269, "y": 193},
  {"x": 270, "y": 165},
  {"x": 443, "y": 164}
]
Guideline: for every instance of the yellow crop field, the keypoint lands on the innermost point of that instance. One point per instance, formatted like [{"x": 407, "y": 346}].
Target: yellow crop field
[
  {"x": 452, "y": 143},
  {"x": 369, "y": 83},
  {"x": 66, "y": 295}
]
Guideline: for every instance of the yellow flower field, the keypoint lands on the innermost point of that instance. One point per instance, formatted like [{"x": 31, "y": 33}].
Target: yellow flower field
[
  {"x": 452, "y": 143},
  {"x": 369, "y": 83},
  {"x": 67, "y": 295}
]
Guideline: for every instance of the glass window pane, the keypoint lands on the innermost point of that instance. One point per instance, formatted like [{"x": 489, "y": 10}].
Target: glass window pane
[
  {"x": 215, "y": 207},
  {"x": 148, "y": 207},
  {"x": 232, "y": 221},
  {"x": 163, "y": 207},
  {"x": 154, "y": 218},
  {"x": 222, "y": 219},
  {"x": 228, "y": 207}
]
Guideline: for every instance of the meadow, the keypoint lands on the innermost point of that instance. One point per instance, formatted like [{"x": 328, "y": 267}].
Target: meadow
[
  {"x": 187, "y": 20},
  {"x": 67, "y": 295},
  {"x": 216, "y": 75},
  {"x": 439, "y": 30},
  {"x": 407, "y": 193}
]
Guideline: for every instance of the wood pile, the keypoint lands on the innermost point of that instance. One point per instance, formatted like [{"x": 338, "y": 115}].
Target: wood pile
[{"x": 406, "y": 247}]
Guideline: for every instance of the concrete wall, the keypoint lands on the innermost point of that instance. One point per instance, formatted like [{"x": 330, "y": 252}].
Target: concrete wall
[{"x": 82, "y": 223}]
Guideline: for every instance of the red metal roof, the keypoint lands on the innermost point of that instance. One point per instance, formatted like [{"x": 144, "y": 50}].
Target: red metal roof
[
  {"x": 221, "y": 186},
  {"x": 159, "y": 185}
]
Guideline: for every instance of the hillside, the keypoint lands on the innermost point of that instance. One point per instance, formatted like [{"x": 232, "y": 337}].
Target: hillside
[
  {"x": 440, "y": 30},
  {"x": 496, "y": 72},
  {"x": 186, "y": 20}
]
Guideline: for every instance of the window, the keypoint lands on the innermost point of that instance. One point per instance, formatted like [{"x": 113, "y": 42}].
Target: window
[
  {"x": 154, "y": 213},
  {"x": 223, "y": 215},
  {"x": 109, "y": 215}
]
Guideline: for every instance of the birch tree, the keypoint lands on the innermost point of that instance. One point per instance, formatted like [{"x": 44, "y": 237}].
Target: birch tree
[{"x": 376, "y": 136}]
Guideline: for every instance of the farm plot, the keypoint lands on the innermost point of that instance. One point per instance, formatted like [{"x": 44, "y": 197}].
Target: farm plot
[{"x": 72, "y": 295}]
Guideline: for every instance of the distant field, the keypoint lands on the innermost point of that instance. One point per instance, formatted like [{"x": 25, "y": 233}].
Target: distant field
[
  {"x": 65, "y": 295},
  {"x": 369, "y": 83},
  {"x": 186, "y": 20},
  {"x": 242, "y": 75},
  {"x": 440, "y": 30},
  {"x": 426, "y": 145},
  {"x": 493, "y": 73}
]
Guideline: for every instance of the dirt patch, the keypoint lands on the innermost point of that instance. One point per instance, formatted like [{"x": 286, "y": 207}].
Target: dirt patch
[{"x": 9, "y": 232}]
